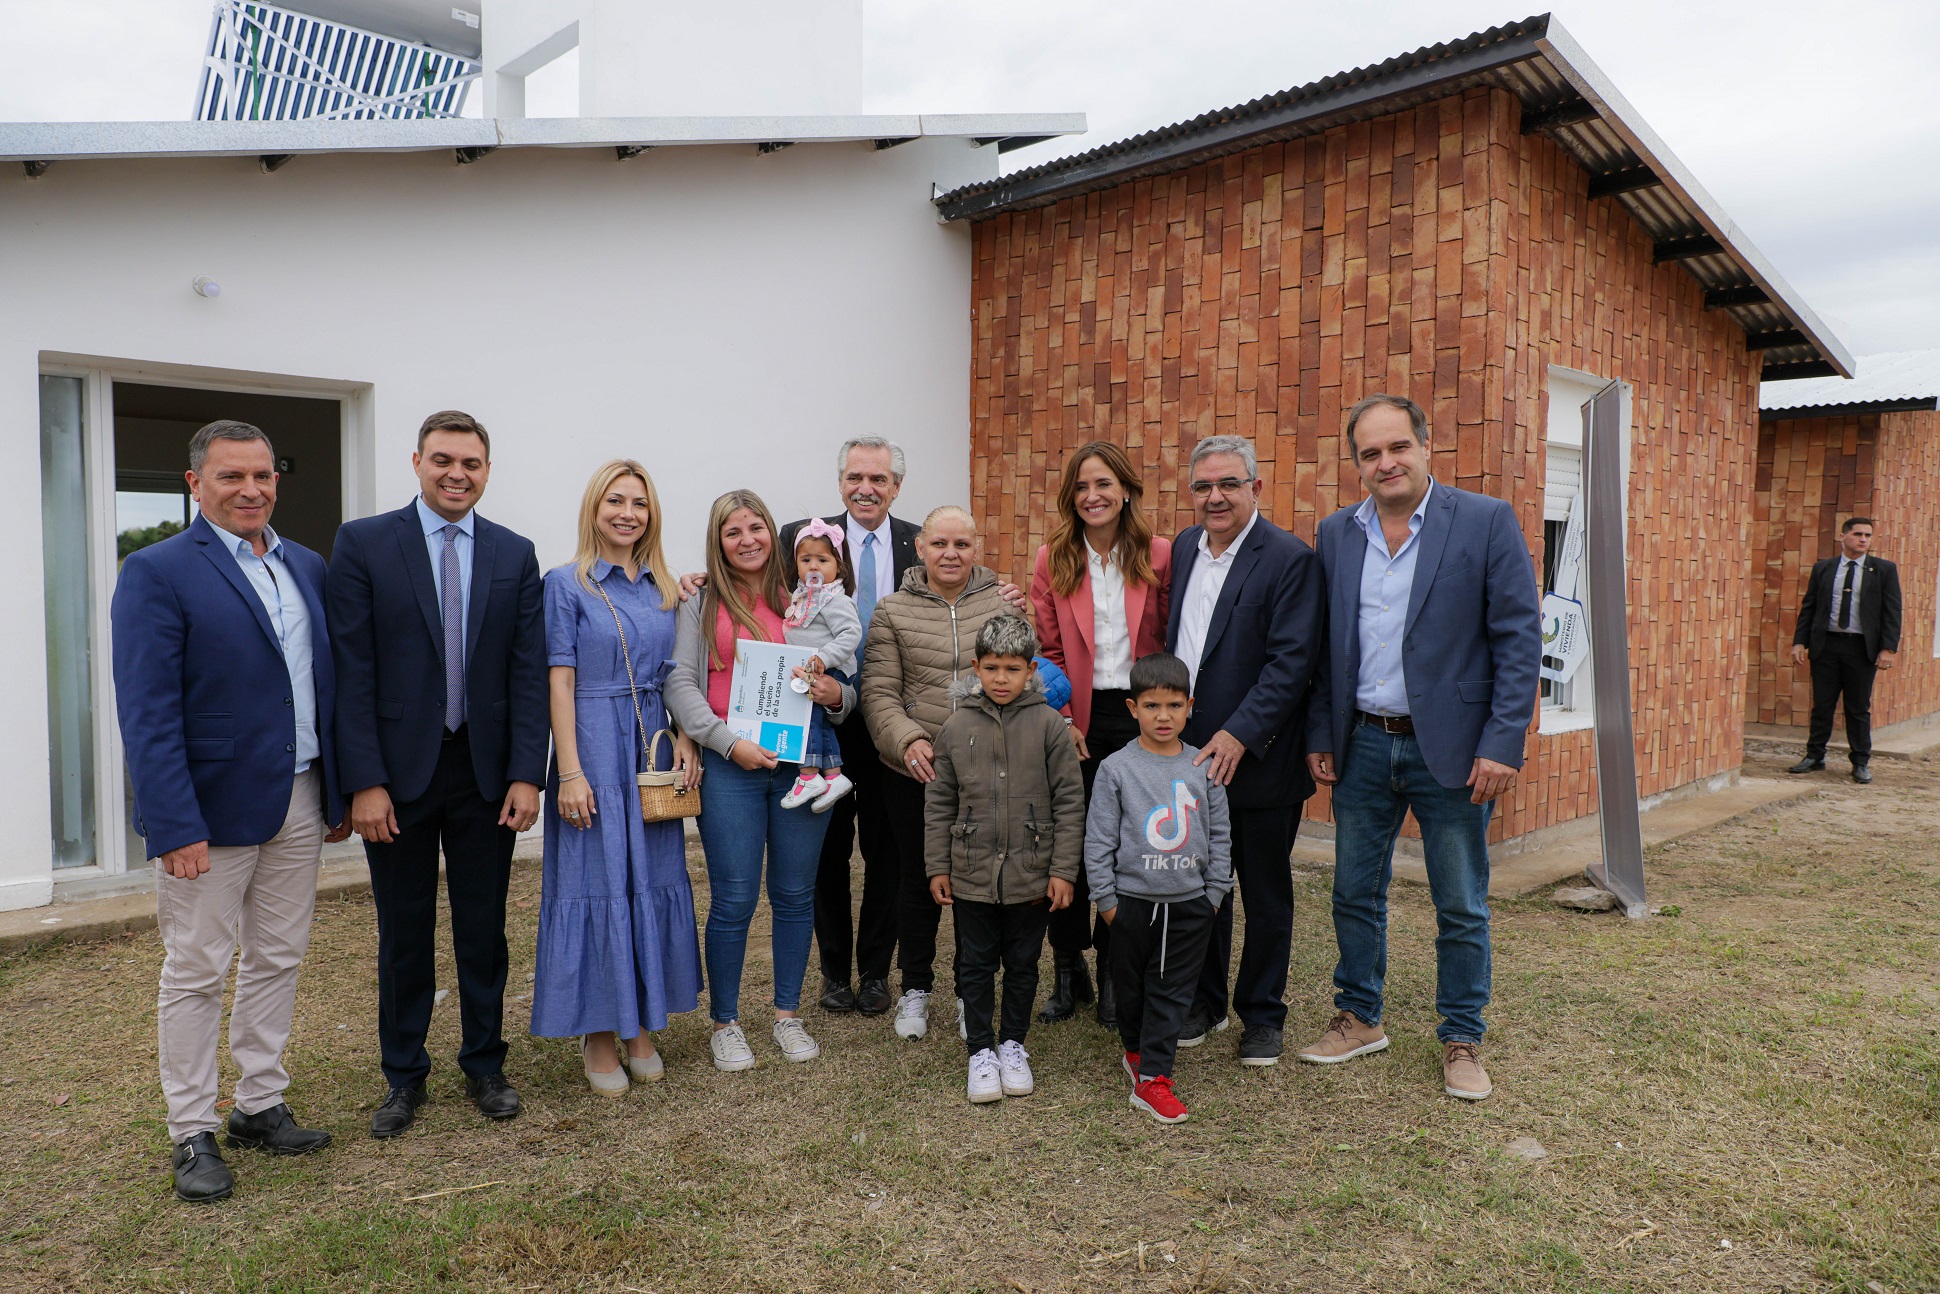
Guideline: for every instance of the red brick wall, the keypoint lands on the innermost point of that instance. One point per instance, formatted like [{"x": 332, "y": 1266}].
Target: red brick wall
[
  {"x": 1438, "y": 253},
  {"x": 1813, "y": 473}
]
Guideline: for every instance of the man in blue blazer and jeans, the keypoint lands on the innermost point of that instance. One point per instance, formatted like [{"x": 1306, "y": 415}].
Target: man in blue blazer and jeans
[
  {"x": 224, "y": 690},
  {"x": 1245, "y": 619},
  {"x": 442, "y": 738},
  {"x": 1423, "y": 700}
]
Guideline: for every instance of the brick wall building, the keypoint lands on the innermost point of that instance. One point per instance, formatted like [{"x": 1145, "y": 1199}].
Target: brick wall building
[
  {"x": 1828, "y": 450},
  {"x": 1483, "y": 226}
]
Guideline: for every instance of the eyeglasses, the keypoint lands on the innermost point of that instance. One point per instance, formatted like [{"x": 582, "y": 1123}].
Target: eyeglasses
[{"x": 1229, "y": 486}]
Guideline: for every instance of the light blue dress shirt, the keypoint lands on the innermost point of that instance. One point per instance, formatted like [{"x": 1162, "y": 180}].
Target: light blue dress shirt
[
  {"x": 282, "y": 597},
  {"x": 434, "y": 546},
  {"x": 1387, "y": 582}
]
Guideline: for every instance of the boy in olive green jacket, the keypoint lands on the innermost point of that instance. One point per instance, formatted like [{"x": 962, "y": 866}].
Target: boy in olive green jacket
[{"x": 1004, "y": 839}]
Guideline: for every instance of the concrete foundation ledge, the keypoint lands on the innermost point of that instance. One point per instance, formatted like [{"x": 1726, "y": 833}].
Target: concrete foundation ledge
[
  {"x": 1909, "y": 739},
  {"x": 1542, "y": 858}
]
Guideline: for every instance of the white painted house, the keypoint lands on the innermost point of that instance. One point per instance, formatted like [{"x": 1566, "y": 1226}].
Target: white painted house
[{"x": 725, "y": 296}]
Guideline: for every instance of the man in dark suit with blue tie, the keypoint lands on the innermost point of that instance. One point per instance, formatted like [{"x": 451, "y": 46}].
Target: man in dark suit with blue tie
[
  {"x": 1245, "y": 619},
  {"x": 224, "y": 689},
  {"x": 442, "y": 737},
  {"x": 1849, "y": 625},
  {"x": 1422, "y": 703}
]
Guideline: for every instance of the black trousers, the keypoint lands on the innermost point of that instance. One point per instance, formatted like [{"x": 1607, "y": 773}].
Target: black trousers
[
  {"x": 843, "y": 940},
  {"x": 1842, "y": 670},
  {"x": 917, "y": 914},
  {"x": 404, "y": 889},
  {"x": 1157, "y": 950},
  {"x": 1263, "y": 870},
  {"x": 1073, "y": 929},
  {"x": 989, "y": 934}
]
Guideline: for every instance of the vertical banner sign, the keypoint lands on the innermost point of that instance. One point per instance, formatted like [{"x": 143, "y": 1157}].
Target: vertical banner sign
[{"x": 1621, "y": 870}]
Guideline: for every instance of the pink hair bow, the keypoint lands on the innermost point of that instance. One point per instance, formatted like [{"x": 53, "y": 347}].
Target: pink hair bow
[{"x": 820, "y": 529}]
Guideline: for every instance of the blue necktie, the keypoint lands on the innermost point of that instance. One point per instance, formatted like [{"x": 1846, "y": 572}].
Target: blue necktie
[
  {"x": 452, "y": 608},
  {"x": 865, "y": 581}
]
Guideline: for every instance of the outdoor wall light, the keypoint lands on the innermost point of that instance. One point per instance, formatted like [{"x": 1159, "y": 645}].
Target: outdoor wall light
[{"x": 206, "y": 287}]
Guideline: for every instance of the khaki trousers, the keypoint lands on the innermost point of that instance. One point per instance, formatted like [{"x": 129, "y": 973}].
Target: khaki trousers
[{"x": 263, "y": 896}]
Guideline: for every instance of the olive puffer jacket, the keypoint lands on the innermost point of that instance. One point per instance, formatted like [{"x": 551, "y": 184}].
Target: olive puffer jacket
[
  {"x": 918, "y": 645},
  {"x": 1007, "y": 809}
]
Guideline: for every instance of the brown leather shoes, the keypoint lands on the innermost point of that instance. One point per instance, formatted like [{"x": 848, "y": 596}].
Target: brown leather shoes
[
  {"x": 1462, "y": 1072},
  {"x": 1346, "y": 1038}
]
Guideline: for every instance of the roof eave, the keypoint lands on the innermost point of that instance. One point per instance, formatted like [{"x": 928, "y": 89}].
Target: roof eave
[{"x": 1908, "y": 404}]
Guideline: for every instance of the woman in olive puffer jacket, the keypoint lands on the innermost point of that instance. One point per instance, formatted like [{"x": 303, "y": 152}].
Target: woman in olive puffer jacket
[{"x": 921, "y": 640}]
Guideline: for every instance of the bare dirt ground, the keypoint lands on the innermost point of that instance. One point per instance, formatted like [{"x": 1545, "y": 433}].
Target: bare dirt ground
[{"x": 1739, "y": 1096}]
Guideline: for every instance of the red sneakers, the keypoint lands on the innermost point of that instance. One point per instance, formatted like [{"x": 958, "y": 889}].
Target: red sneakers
[
  {"x": 1156, "y": 1098},
  {"x": 1131, "y": 1067}
]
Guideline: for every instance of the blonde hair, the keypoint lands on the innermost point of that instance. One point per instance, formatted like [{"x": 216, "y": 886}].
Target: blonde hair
[
  {"x": 724, "y": 583},
  {"x": 948, "y": 512},
  {"x": 646, "y": 552},
  {"x": 1066, "y": 544}
]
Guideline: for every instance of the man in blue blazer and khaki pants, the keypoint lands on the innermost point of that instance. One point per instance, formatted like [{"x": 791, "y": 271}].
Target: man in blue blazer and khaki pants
[
  {"x": 1422, "y": 703},
  {"x": 224, "y": 689},
  {"x": 1245, "y": 618},
  {"x": 442, "y": 739}
]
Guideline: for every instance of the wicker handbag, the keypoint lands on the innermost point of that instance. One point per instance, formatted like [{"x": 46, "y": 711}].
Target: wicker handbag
[{"x": 663, "y": 797}]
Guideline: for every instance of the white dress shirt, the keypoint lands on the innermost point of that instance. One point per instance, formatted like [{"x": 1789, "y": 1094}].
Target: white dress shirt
[
  {"x": 281, "y": 596},
  {"x": 885, "y": 557},
  {"x": 1858, "y": 565},
  {"x": 1202, "y": 595},
  {"x": 1111, "y": 626}
]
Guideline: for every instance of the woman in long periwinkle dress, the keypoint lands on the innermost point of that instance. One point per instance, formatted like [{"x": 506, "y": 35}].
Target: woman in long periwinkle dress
[{"x": 618, "y": 952}]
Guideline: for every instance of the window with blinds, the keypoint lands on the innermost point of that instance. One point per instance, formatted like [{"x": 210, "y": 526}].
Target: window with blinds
[{"x": 1562, "y": 478}]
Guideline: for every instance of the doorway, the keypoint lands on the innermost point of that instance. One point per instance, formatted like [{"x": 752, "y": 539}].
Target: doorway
[{"x": 113, "y": 458}]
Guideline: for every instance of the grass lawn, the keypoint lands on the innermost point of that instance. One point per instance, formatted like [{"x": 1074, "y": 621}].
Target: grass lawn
[{"x": 1741, "y": 1096}]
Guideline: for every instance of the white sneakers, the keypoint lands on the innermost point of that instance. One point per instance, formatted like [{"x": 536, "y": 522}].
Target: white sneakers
[
  {"x": 986, "y": 1084},
  {"x": 731, "y": 1050},
  {"x": 811, "y": 785},
  {"x": 1014, "y": 1066},
  {"x": 997, "y": 1074},
  {"x": 913, "y": 1014},
  {"x": 791, "y": 1035}
]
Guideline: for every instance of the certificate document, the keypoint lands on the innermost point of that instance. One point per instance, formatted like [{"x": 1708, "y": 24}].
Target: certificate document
[{"x": 762, "y": 707}]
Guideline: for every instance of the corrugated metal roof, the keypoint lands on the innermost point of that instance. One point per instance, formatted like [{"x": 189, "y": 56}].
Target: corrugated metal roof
[
  {"x": 1901, "y": 379},
  {"x": 1562, "y": 93}
]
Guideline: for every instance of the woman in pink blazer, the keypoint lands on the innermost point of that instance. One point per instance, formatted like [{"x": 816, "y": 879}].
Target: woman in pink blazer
[{"x": 1100, "y": 589}]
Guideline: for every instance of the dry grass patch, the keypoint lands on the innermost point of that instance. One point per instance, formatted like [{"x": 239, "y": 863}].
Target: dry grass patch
[{"x": 1762, "y": 1069}]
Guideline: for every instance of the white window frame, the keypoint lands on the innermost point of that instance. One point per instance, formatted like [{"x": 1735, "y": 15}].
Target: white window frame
[
  {"x": 1571, "y": 706},
  {"x": 357, "y": 442}
]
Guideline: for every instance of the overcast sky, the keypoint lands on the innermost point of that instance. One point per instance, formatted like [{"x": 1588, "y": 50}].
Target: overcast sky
[{"x": 1816, "y": 126}]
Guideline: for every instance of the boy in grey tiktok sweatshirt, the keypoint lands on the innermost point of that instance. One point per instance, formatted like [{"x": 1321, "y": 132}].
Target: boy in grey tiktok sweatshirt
[{"x": 1158, "y": 855}]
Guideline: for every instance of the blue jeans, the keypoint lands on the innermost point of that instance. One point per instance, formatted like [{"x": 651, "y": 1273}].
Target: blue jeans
[
  {"x": 1382, "y": 778},
  {"x": 742, "y": 819}
]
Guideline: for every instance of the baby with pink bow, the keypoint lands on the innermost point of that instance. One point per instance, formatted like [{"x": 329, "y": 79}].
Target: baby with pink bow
[{"x": 823, "y": 615}]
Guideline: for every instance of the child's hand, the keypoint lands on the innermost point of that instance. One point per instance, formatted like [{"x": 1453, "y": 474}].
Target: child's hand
[
  {"x": 815, "y": 665},
  {"x": 1060, "y": 893},
  {"x": 940, "y": 891}
]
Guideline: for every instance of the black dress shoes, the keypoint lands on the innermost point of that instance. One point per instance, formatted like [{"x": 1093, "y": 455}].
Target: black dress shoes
[
  {"x": 1861, "y": 774},
  {"x": 274, "y": 1130},
  {"x": 399, "y": 1111},
  {"x": 1808, "y": 765},
  {"x": 494, "y": 1097},
  {"x": 837, "y": 997},
  {"x": 873, "y": 998},
  {"x": 200, "y": 1173},
  {"x": 1107, "y": 999}
]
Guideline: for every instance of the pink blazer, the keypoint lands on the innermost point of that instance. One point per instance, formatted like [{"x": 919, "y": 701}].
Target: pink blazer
[{"x": 1065, "y": 629}]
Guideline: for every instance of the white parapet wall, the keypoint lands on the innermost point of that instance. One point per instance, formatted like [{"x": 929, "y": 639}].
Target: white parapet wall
[{"x": 725, "y": 315}]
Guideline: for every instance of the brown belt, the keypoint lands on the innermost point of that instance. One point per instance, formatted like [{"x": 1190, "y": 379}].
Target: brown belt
[{"x": 1397, "y": 723}]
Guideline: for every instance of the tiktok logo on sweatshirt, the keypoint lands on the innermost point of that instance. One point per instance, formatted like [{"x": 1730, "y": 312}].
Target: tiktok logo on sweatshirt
[{"x": 1169, "y": 827}]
